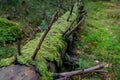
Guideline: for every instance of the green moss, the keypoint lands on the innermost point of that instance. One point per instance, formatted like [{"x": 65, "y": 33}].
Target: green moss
[
  {"x": 9, "y": 30},
  {"x": 50, "y": 49},
  {"x": 6, "y": 62}
]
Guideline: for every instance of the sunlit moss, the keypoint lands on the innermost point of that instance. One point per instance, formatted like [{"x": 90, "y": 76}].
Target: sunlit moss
[{"x": 6, "y": 62}]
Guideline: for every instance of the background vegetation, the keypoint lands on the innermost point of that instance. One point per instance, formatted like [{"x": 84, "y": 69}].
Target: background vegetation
[{"x": 99, "y": 37}]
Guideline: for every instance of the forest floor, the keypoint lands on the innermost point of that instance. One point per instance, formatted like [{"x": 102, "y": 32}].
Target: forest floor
[{"x": 100, "y": 37}]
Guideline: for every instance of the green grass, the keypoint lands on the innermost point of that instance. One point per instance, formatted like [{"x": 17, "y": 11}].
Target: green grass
[{"x": 100, "y": 35}]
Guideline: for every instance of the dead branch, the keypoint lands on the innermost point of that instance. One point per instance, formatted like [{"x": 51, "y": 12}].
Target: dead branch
[
  {"x": 71, "y": 10},
  {"x": 101, "y": 71},
  {"x": 73, "y": 23},
  {"x": 44, "y": 35},
  {"x": 74, "y": 29},
  {"x": 60, "y": 76},
  {"x": 19, "y": 46},
  {"x": 68, "y": 28}
]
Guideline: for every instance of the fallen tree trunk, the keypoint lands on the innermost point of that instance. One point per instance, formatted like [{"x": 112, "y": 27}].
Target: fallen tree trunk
[
  {"x": 47, "y": 57},
  {"x": 50, "y": 51}
]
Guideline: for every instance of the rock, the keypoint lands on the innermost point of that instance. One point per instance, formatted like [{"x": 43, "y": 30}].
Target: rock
[{"x": 19, "y": 72}]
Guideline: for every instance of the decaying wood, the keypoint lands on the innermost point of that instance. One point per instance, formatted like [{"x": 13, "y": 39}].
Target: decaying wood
[
  {"x": 42, "y": 66},
  {"x": 78, "y": 72},
  {"x": 101, "y": 71},
  {"x": 44, "y": 35},
  {"x": 21, "y": 72}
]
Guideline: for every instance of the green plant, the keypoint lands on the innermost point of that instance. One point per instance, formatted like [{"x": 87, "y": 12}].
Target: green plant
[
  {"x": 9, "y": 31},
  {"x": 6, "y": 52},
  {"x": 82, "y": 64}
]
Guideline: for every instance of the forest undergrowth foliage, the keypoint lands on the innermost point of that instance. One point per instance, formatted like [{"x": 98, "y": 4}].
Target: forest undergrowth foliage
[
  {"x": 9, "y": 33},
  {"x": 100, "y": 37},
  {"x": 32, "y": 13},
  {"x": 32, "y": 16}
]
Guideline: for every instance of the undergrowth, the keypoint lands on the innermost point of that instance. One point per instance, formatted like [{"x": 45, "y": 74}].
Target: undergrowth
[
  {"x": 51, "y": 48},
  {"x": 100, "y": 36},
  {"x": 9, "y": 33}
]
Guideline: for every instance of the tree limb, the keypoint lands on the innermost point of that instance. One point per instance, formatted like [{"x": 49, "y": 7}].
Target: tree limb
[
  {"x": 71, "y": 10},
  {"x": 44, "y": 35},
  {"x": 70, "y": 32},
  {"x": 78, "y": 72},
  {"x": 69, "y": 28}
]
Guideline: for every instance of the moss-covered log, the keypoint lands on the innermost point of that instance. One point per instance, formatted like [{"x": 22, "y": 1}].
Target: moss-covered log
[{"x": 51, "y": 48}]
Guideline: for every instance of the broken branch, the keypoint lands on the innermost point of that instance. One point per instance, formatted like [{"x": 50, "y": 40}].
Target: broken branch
[
  {"x": 71, "y": 10},
  {"x": 44, "y": 35},
  {"x": 69, "y": 33},
  {"x": 73, "y": 23},
  {"x": 72, "y": 73}
]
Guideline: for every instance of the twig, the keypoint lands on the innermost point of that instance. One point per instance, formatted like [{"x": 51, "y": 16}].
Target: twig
[
  {"x": 101, "y": 71},
  {"x": 72, "y": 73},
  {"x": 68, "y": 28},
  {"x": 44, "y": 35},
  {"x": 73, "y": 23},
  {"x": 71, "y": 10},
  {"x": 19, "y": 46},
  {"x": 69, "y": 33}
]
